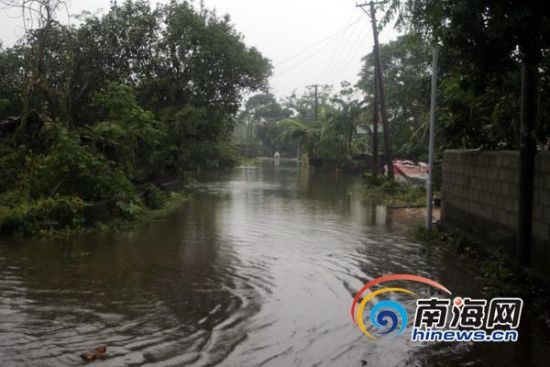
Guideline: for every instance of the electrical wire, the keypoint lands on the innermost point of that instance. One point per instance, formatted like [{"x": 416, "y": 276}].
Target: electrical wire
[
  {"x": 300, "y": 62},
  {"x": 286, "y": 59},
  {"x": 348, "y": 47},
  {"x": 338, "y": 49},
  {"x": 355, "y": 48}
]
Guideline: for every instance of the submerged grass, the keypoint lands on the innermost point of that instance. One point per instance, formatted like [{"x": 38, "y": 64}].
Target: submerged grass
[
  {"x": 143, "y": 215},
  {"x": 382, "y": 191},
  {"x": 247, "y": 161},
  {"x": 61, "y": 216}
]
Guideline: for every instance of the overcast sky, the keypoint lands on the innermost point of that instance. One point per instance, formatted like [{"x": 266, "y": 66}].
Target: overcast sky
[{"x": 308, "y": 41}]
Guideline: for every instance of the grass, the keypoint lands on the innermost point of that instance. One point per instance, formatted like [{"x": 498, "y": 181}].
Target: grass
[
  {"x": 382, "y": 191},
  {"x": 500, "y": 276},
  {"x": 28, "y": 219},
  {"x": 246, "y": 161}
]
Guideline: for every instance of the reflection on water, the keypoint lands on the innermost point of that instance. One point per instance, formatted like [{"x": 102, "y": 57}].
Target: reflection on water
[{"x": 258, "y": 269}]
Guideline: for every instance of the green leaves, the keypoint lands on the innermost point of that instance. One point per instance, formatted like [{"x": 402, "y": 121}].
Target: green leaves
[
  {"x": 72, "y": 168},
  {"x": 483, "y": 44},
  {"x": 212, "y": 65},
  {"x": 43, "y": 215},
  {"x": 406, "y": 63},
  {"x": 131, "y": 134}
]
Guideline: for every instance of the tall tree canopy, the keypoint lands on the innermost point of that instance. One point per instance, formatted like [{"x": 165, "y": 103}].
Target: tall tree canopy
[
  {"x": 483, "y": 45},
  {"x": 136, "y": 95},
  {"x": 407, "y": 78}
]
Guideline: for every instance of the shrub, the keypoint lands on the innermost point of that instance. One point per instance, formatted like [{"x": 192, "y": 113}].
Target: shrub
[
  {"x": 153, "y": 198},
  {"x": 57, "y": 212},
  {"x": 73, "y": 169}
]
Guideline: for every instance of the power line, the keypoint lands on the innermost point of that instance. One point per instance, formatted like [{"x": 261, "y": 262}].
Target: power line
[
  {"x": 356, "y": 51},
  {"x": 298, "y": 63},
  {"x": 335, "y": 52},
  {"x": 338, "y": 51},
  {"x": 306, "y": 59},
  {"x": 317, "y": 43},
  {"x": 349, "y": 54}
]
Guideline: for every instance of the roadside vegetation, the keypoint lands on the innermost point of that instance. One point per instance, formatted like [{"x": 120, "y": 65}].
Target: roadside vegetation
[
  {"x": 477, "y": 109},
  {"x": 382, "y": 191},
  {"x": 96, "y": 117},
  {"x": 499, "y": 274},
  {"x": 482, "y": 50},
  {"x": 106, "y": 110}
]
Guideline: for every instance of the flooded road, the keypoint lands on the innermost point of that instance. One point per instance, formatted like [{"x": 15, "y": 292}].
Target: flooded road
[{"x": 259, "y": 268}]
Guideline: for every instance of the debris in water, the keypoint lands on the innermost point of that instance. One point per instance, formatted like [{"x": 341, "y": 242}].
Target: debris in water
[{"x": 94, "y": 354}]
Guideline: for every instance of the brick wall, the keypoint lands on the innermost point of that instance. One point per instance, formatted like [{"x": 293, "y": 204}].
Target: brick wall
[{"x": 480, "y": 198}]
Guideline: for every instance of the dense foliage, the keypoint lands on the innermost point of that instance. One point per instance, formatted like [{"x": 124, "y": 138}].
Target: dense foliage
[
  {"x": 93, "y": 113},
  {"x": 290, "y": 127},
  {"x": 406, "y": 64},
  {"x": 483, "y": 44}
]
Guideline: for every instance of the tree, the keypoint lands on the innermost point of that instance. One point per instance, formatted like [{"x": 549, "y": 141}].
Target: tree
[
  {"x": 42, "y": 27},
  {"x": 135, "y": 96},
  {"x": 258, "y": 124},
  {"x": 406, "y": 67},
  {"x": 491, "y": 38},
  {"x": 11, "y": 79},
  {"x": 329, "y": 140},
  {"x": 345, "y": 117},
  {"x": 264, "y": 108},
  {"x": 303, "y": 106}
]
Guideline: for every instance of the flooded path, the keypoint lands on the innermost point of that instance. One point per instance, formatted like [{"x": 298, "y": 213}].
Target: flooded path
[{"x": 258, "y": 269}]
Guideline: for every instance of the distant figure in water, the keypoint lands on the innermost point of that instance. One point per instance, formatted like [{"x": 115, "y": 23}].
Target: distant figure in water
[{"x": 276, "y": 158}]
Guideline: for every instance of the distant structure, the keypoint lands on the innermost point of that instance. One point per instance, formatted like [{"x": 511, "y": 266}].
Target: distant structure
[{"x": 277, "y": 158}]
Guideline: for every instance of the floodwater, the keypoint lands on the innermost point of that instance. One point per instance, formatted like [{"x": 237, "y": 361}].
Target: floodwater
[{"x": 259, "y": 268}]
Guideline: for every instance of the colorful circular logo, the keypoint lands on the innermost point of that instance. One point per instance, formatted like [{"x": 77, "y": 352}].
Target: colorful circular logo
[{"x": 386, "y": 316}]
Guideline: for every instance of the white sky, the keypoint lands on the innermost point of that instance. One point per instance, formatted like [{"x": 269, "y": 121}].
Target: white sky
[{"x": 308, "y": 41}]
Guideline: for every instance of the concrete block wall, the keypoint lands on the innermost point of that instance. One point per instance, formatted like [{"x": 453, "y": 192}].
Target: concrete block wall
[{"x": 480, "y": 198}]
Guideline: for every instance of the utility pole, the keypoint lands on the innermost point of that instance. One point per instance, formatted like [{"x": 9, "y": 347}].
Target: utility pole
[
  {"x": 527, "y": 154},
  {"x": 375, "y": 130},
  {"x": 316, "y": 103},
  {"x": 316, "y": 108},
  {"x": 433, "y": 109},
  {"x": 380, "y": 80}
]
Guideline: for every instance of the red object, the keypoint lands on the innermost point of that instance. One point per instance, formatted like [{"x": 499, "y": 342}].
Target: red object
[
  {"x": 408, "y": 171},
  {"x": 409, "y": 168},
  {"x": 94, "y": 354}
]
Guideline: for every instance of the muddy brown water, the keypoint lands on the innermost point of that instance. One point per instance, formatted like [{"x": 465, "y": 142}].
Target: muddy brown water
[{"x": 259, "y": 268}]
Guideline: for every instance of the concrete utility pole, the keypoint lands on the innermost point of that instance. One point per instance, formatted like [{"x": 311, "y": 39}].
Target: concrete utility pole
[
  {"x": 316, "y": 103},
  {"x": 527, "y": 154},
  {"x": 316, "y": 109},
  {"x": 380, "y": 82},
  {"x": 433, "y": 108},
  {"x": 375, "y": 130}
]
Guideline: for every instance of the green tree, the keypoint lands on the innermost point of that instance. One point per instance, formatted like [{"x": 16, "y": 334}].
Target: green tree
[
  {"x": 329, "y": 141},
  {"x": 135, "y": 96},
  {"x": 10, "y": 81},
  {"x": 406, "y": 70},
  {"x": 258, "y": 126},
  {"x": 129, "y": 135},
  {"x": 489, "y": 41}
]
